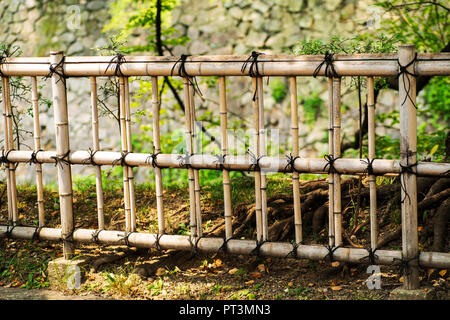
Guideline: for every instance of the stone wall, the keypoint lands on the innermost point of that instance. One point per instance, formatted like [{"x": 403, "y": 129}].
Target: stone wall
[{"x": 214, "y": 27}]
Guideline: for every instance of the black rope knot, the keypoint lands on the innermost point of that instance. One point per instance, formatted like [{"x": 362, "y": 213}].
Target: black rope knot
[
  {"x": 224, "y": 246},
  {"x": 330, "y": 254},
  {"x": 405, "y": 264},
  {"x": 118, "y": 59},
  {"x": 4, "y": 157},
  {"x": 153, "y": 158},
  {"x": 125, "y": 238},
  {"x": 185, "y": 160},
  {"x": 158, "y": 237},
  {"x": 58, "y": 69},
  {"x": 329, "y": 67},
  {"x": 36, "y": 234},
  {"x": 406, "y": 169},
  {"x": 183, "y": 73},
  {"x": 254, "y": 161},
  {"x": 220, "y": 160},
  {"x": 194, "y": 245},
  {"x": 371, "y": 257},
  {"x": 33, "y": 158},
  {"x": 403, "y": 70},
  {"x": 330, "y": 163},
  {"x": 60, "y": 160},
  {"x": 95, "y": 234},
  {"x": 290, "y": 159},
  {"x": 2, "y": 61},
  {"x": 257, "y": 250},
  {"x": 293, "y": 253},
  {"x": 121, "y": 160},
  {"x": 91, "y": 157},
  {"x": 253, "y": 70},
  {"x": 9, "y": 230},
  {"x": 369, "y": 164}
]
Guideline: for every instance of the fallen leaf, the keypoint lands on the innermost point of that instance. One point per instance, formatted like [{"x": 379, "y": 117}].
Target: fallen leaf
[
  {"x": 336, "y": 288},
  {"x": 250, "y": 282},
  {"x": 401, "y": 279},
  {"x": 233, "y": 271},
  {"x": 310, "y": 284},
  {"x": 335, "y": 264},
  {"x": 21, "y": 216},
  {"x": 261, "y": 268},
  {"x": 53, "y": 213},
  {"x": 218, "y": 263},
  {"x": 290, "y": 284},
  {"x": 160, "y": 272},
  {"x": 255, "y": 274},
  {"x": 442, "y": 273},
  {"x": 419, "y": 229}
]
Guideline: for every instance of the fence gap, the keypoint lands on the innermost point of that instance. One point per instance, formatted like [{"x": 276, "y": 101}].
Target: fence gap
[
  {"x": 37, "y": 147},
  {"x": 96, "y": 148},
  {"x": 295, "y": 153},
  {"x": 156, "y": 151}
]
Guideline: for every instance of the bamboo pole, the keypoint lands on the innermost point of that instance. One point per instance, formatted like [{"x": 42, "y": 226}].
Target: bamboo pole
[
  {"x": 124, "y": 141},
  {"x": 371, "y": 178},
  {"x": 12, "y": 204},
  {"x": 62, "y": 147},
  {"x": 37, "y": 147},
  {"x": 270, "y": 65},
  {"x": 262, "y": 153},
  {"x": 237, "y": 163},
  {"x": 195, "y": 150},
  {"x": 256, "y": 148},
  {"x": 337, "y": 153},
  {"x": 191, "y": 177},
  {"x": 96, "y": 148},
  {"x": 234, "y": 246},
  {"x": 225, "y": 173},
  {"x": 157, "y": 150},
  {"x": 331, "y": 230},
  {"x": 408, "y": 156},
  {"x": 295, "y": 153},
  {"x": 130, "y": 149}
]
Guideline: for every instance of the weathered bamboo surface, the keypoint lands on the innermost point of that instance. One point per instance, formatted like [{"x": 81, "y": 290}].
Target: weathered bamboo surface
[
  {"x": 235, "y": 246},
  {"x": 230, "y": 65},
  {"x": 242, "y": 163}
]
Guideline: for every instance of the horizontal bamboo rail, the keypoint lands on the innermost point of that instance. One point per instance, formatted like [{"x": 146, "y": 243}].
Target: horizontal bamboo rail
[
  {"x": 235, "y": 246},
  {"x": 228, "y": 65},
  {"x": 236, "y": 163},
  {"x": 405, "y": 65}
]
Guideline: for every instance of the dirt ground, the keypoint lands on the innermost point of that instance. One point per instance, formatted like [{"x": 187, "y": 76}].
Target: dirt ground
[{"x": 119, "y": 272}]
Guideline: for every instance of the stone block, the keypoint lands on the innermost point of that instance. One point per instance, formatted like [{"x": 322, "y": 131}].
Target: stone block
[
  {"x": 416, "y": 294},
  {"x": 66, "y": 273}
]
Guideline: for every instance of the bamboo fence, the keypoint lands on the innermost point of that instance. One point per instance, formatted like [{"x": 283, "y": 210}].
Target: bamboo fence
[{"x": 406, "y": 65}]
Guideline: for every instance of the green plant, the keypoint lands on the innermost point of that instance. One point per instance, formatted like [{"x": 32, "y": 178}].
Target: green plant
[{"x": 156, "y": 287}]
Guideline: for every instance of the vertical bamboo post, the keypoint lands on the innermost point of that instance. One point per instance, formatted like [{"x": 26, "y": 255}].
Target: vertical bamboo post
[
  {"x": 130, "y": 149},
  {"x": 225, "y": 173},
  {"x": 187, "y": 112},
  {"x": 96, "y": 147},
  {"x": 156, "y": 150},
  {"x": 331, "y": 240},
  {"x": 10, "y": 185},
  {"x": 371, "y": 155},
  {"x": 258, "y": 205},
  {"x": 262, "y": 152},
  {"x": 295, "y": 153},
  {"x": 37, "y": 147},
  {"x": 195, "y": 150},
  {"x": 124, "y": 140},
  {"x": 408, "y": 157},
  {"x": 337, "y": 153},
  {"x": 62, "y": 148}
]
